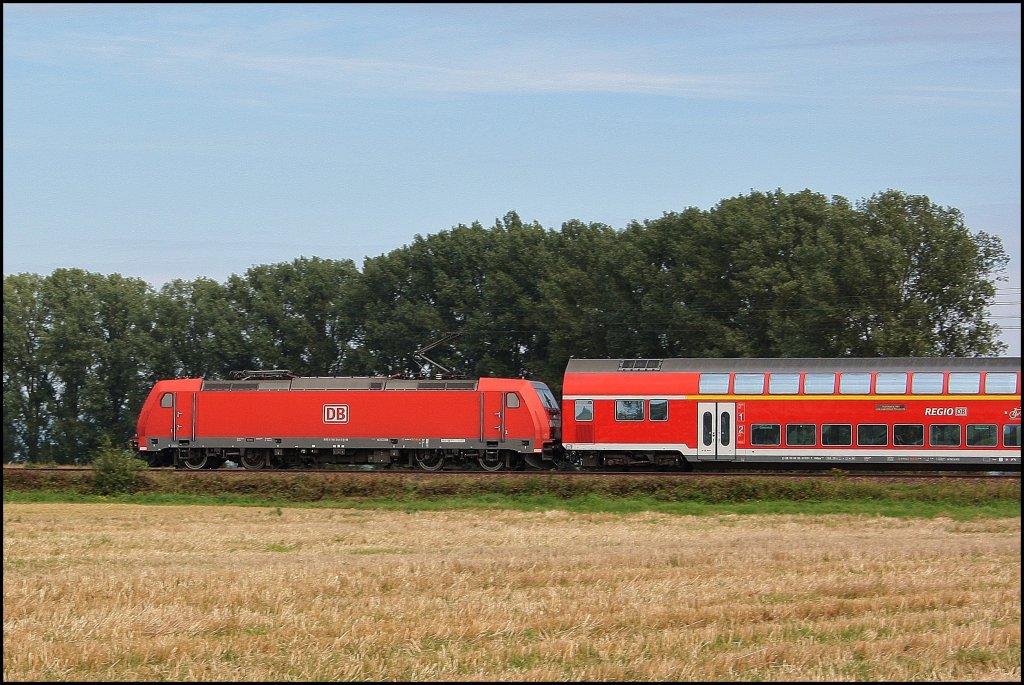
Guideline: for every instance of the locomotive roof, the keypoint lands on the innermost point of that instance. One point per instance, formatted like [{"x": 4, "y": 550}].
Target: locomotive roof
[
  {"x": 340, "y": 383},
  {"x": 794, "y": 364}
]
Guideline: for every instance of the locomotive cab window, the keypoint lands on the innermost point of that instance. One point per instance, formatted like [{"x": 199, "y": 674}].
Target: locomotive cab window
[
  {"x": 629, "y": 410},
  {"x": 167, "y": 399},
  {"x": 511, "y": 400},
  {"x": 546, "y": 398},
  {"x": 658, "y": 410},
  {"x": 584, "y": 410},
  {"x": 908, "y": 434}
]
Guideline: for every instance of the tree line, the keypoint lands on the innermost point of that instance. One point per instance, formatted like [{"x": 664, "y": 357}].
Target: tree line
[{"x": 765, "y": 274}]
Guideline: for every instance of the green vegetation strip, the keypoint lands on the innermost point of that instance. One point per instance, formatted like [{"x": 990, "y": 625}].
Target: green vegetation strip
[{"x": 955, "y": 498}]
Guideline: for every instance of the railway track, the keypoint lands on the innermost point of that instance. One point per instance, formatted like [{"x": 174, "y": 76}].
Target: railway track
[{"x": 737, "y": 473}]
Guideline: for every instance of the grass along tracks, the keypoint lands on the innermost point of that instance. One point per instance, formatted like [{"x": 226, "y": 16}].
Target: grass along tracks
[{"x": 948, "y": 495}]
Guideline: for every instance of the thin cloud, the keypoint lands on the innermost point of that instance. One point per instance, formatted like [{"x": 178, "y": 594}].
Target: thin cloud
[{"x": 204, "y": 58}]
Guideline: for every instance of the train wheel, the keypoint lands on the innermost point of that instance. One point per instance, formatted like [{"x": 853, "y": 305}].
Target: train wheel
[
  {"x": 195, "y": 462},
  {"x": 252, "y": 461},
  {"x": 430, "y": 461},
  {"x": 491, "y": 461}
]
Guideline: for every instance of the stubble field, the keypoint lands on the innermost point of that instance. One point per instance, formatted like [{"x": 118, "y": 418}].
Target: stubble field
[{"x": 100, "y": 592}]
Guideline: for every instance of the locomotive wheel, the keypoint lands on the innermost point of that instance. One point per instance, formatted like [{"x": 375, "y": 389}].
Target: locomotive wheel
[
  {"x": 430, "y": 461},
  {"x": 195, "y": 462},
  {"x": 253, "y": 462},
  {"x": 491, "y": 461}
]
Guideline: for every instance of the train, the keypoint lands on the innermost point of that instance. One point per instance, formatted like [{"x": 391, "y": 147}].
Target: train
[{"x": 614, "y": 414}]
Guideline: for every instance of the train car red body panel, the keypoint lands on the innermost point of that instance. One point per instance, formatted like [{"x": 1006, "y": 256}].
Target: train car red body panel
[{"x": 674, "y": 412}]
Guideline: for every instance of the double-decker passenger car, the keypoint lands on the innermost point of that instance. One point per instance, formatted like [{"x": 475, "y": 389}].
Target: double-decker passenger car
[
  {"x": 271, "y": 419},
  {"x": 892, "y": 411}
]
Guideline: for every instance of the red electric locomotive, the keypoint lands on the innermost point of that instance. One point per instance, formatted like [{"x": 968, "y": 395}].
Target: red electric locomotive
[
  {"x": 944, "y": 412},
  {"x": 274, "y": 420}
]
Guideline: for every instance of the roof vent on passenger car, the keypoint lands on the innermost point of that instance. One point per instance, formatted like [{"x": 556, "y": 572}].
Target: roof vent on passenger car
[{"x": 640, "y": 365}]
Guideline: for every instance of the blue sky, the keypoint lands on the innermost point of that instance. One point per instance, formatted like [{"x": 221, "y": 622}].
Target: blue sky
[{"x": 174, "y": 141}]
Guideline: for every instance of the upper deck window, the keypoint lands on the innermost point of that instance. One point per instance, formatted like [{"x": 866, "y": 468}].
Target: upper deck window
[
  {"x": 658, "y": 410},
  {"x": 629, "y": 410},
  {"x": 820, "y": 383},
  {"x": 964, "y": 383},
  {"x": 854, "y": 383},
  {"x": 891, "y": 383},
  {"x": 750, "y": 383},
  {"x": 783, "y": 383},
  {"x": 1001, "y": 383},
  {"x": 714, "y": 383},
  {"x": 926, "y": 384},
  {"x": 584, "y": 410}
]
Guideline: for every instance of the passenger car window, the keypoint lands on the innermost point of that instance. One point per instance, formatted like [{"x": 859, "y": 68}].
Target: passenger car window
[
  {"x": 908, "y": 434},
  {"x": 1011, "y": 435},
  {"x": 783, "y": 383},
  {"x": 820, "y": 383},
  {"x": 629, "y": 410},
  {"x": 714, "y": 383},
  {"x": 584, "y": 410},
  {"x": 891, "y": 383},
  {"x": 750, "y": 383},
  {"x": 982, "y": 435},
  {"x": 800, "y": 434},
  {"x": 964, "y": 383},
  {"x": 944, "y": 435},
  {"x": 872, "y": 434},
  {"x": 769, "y": 434},
  {"x": 926, "y": 384},
  {"x": 658, "y": 410},
  {"x": 854, "y": 383},
  {"x": 837, "y": 434},
  {"x": 1001, "y": 383}
]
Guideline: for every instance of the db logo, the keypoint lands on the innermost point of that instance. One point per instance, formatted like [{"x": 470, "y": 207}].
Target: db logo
[{"x": 335, "y": 413}]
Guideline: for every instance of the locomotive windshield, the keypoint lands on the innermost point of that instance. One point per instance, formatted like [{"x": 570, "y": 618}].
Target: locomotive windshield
[{"x": 546, "y": 396}]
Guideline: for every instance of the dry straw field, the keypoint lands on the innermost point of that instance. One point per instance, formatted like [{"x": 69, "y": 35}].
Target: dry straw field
[{"x": 98, "y": 592}]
